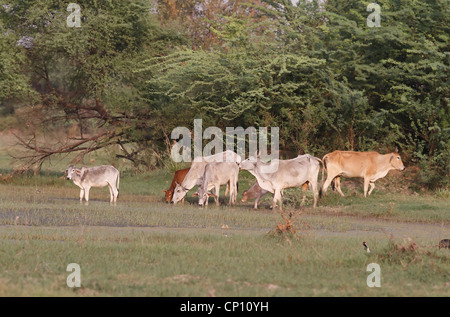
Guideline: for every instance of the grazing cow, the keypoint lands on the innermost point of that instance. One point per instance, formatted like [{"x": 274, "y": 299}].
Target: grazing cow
[
  {"x": 257, "y": 192},
  {"x": 178, "y": 177},
  {"x": 215, "y": 175},
  {"x": 368, "y": 165},
  {"x": 98, "y": 176},
  {"x": 194, "y": 176},
  {"x": 289, "y": 174},
  {"x": 254, "y": 192}
]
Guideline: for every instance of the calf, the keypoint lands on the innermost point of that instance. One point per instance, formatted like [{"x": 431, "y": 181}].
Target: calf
[
  {"x": 254, "y": 192},
  {"x": 98, "y": 176},
  {"x": 215, "y": 175},
  {"x": 257, "y": 192}
]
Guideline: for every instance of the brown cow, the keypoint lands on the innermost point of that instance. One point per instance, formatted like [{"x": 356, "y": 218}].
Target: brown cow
[
  {"x": 368, "y": 165},
  {"x": 177, "y": 178},
  {"x": 257, "y": 192}
]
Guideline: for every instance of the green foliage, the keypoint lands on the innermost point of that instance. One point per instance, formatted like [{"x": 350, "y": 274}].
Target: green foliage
[{"x": 314, "y": 69}]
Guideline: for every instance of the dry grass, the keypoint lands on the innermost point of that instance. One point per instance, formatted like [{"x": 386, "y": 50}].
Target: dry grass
[
  {"x": 287, "y": 223},
  {"x": 291, "y": 224},
  {"x": 408, "y": 252}
]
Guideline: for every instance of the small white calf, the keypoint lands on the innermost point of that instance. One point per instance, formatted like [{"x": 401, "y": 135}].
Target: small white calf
[{"x": 98, "y": 176}]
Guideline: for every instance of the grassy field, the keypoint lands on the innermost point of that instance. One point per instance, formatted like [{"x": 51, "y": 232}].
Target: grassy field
[{"x": 144, "y": 247}]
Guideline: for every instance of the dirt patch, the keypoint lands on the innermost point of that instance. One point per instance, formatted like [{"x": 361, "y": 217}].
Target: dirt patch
[
  {"x": 182, "y": 278},
  {"x": 347, "y": 226}
]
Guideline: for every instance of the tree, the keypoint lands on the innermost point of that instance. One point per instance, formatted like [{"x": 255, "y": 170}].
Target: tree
[
  {"x": 82, "y": 76},
  {"x": 401, "y": 68}
]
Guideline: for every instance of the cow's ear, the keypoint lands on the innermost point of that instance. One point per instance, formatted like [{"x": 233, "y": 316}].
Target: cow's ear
[
  {"x": 78, "y": 172},
  {"x": 165, "y": 191},
  {"x": 176, "y": 183},
  {"x": 195, "y": 194},
  {"x": 392, "y": 156},
  {"x": 396, "y": 150}
]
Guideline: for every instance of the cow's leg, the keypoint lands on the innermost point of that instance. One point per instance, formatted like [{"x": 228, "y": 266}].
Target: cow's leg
[
  {"x": 81, "y": 195},
  {"x": 366, "y": 186},
  {"x": 372, "y": 186},
  {"x": 114, "y": 193},
  {"x": 273, "y": 205},
  {"x": 303, "y": 200},
  {"x": 86, "y": 194},
  {"x": 315, "y": 190},
  {"x": 227, "y": 191},
  {"x": 305, "y": 187},
  {"x": 213, "y": 191},
  {"x": 233, "y": 194},
  {"x": 337, "y": 184},
  {"x": 206, "y": 200},
  {"x": 111, "y": 194},
  {"x": 304, "y": 197},
  {"x": 236, "y": 190},
  {"x": 327, "y": 183},
  {"x": 255, "y": 206},
  {"x": 277, "y": 197},
  {"x": 216, "y": 197}
]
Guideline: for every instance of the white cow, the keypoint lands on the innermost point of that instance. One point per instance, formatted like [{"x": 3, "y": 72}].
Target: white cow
[
  {"x": 215, "y": 175},
  {"x": 195, "y": 174},
  {"x": 289, "y": 174},
  {"x": 98, "y": 176}
]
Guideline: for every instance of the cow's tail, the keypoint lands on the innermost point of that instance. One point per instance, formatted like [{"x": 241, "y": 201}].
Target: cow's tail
[
  {"x": 324, "y": 167},
  {"x": 117, "y": 183}
]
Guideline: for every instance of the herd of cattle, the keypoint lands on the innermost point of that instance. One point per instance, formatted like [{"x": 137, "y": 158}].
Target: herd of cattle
[{"x": 209, "y": 173}]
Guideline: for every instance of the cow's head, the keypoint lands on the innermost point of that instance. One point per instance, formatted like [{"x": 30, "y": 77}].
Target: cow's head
[
  {"x": 244, "y": 196},
  {"x": 179, "y": 193},
  {"x": 203, "y": 195},
  {"x": 248, "y": 164},
  {"x": 396, "y": 161},
  {"x": 71, "y": 171},
  {"x": 168, "y": 194}
]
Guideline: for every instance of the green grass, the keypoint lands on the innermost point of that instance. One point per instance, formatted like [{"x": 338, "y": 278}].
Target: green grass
[
  {"x": 140, "y": 262},
  {"x": 144, "y": 247}
]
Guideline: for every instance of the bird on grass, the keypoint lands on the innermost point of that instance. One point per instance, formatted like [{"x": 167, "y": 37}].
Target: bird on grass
[
  {"x": 366, "y": 247},
  {"x": 445, "y": 243}
]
